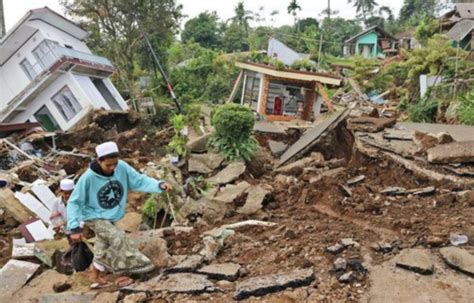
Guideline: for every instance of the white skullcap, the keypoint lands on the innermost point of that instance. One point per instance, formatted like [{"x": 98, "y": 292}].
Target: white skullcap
[
  {"x": 106, "y": 148},
  {"x": 66, "y": 184}
]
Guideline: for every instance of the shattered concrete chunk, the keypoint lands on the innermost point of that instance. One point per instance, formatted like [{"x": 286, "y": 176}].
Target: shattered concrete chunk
[
  {"x": 231, "y": 192},
  {"x": 346, "y": 191},
  {"x": 135, "y": 298},
  {"x": 348, "y": 242},
  {"x": 175, "y": 283},
  {"x": 459, "y": 259},
  {"x": 277, "y": 148},
  {"x": 223, "y": 271},
  {"x": 416, "y": 259},
  {"x": 422, "y": 191},
  {"x": 297, "y": 167},
  {"x": 394, "y": 190},
  {"x": 14, "y": 275},
  {"x": 107, "y": 297},
  {"x": 198, "y": 145},
  {"x": 210, "y": 209},
  {"x": 397, "y": 134},
  {"x": 228, "y": 174},
  {"x": 335, "y": 249},
  {"x": 152, "y": 245},
  {"x": 370, "y": 124},
  {"x": 340, "y": 264},
  {"x": 67, "y": 297},
  {"x": 189, "y": 264},
  {"x": 434, "y": 241},
  {"x": 254, "y": 201},
  {"x": 262, "y": 285},
  {"x": 204, "y": 163},
  {"x": 346, "y": 278},
  {"x": 456, "y": 152},
  {"x": 355, "y": 180}
]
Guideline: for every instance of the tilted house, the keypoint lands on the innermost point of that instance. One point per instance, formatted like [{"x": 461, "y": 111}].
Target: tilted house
[
  {"x": 49, "y": 75},
  {"x": 373, "y": 42},
  {"x": 458, "y": 25}
]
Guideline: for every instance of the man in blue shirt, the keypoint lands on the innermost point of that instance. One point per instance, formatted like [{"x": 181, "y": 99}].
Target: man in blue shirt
[{"x": 99, "y": 200}]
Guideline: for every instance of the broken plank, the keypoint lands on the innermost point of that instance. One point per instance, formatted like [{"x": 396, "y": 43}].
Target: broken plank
[
  {"x": 325, "y": 96},
  {"x": 236, "y": 87}
]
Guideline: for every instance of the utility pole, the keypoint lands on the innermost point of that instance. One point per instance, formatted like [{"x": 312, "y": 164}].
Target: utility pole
[
  {"x": 329, "y": 9},
  {"x": 2, "y": 20}
]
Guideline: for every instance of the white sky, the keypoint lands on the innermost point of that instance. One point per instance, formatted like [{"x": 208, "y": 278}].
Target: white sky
[{"x": 15, "y": 9}]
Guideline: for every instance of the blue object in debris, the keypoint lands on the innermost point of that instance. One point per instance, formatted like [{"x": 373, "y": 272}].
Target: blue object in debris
[
  {"x": 374, "y": 97},
  {"x": 3, "y": 183}
]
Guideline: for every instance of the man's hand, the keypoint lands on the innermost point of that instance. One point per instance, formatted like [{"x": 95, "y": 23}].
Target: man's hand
[
  {"x": 76, "y": 238},
  {"x": 166, "y": 186}
]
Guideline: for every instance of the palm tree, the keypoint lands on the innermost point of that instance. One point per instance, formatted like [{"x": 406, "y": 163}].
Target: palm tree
[
  {"x": 388, "y": 11},
  {"x": 364, "y": 6},
  {"x": 293, "y": 8},
  {"x": 242, "y": 16}
]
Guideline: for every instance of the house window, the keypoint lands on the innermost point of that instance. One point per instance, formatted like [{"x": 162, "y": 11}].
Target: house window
[
  {"x": 28, "y": 69},
  {"x": 44, "y": 53},
  {"x": 66, "y": 103}
]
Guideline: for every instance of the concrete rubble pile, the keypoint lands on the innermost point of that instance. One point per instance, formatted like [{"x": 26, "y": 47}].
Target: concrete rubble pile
[{"x": 341, "y": 211}]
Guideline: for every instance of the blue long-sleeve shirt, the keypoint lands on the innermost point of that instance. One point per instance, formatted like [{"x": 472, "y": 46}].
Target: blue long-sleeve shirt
[{"x": 99, "y": 197}]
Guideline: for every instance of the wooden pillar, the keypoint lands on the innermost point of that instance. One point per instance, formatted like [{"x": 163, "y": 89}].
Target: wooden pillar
[
  {"x": 263, "y": 94},
  {"x": 308, "y": 103}
]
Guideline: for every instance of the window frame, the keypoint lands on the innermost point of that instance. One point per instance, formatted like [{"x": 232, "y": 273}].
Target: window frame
[
  {"x": 56, "y": 101},
  {"x": 31, "y": 74}
]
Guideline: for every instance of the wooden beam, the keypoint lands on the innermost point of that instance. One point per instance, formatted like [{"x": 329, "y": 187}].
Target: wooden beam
[
  {"x": 325, "y": 96},
  {"x": 236, "y": 86}
]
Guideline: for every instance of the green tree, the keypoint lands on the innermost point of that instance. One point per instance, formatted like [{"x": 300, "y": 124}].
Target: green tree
[
  {"x": 117, "y": 30},
  {"x": 242, "y": 16},
  {"x": 426, "y": 30},
  {"x": 258, "y": 38},
  {"x": 293, "y": 9},
  {"x": 203, "y": 29},
  {"x": 235, "y": 38},
  {"x": 364, "y": 7},
  {"x": 306, "y": 22},
  {"x": 413, "y": 11}
]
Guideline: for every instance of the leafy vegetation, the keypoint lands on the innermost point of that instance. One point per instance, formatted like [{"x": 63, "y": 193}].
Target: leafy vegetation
[
  {"x": 177, "y": 145},
  {"x": 466, "y": 110},
  {"x": 150, "y": 208},
  {"x": 233, "y": 136}
]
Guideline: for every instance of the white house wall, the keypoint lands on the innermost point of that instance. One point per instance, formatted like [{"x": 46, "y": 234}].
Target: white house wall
[
  {"x": 52, "y": 33},
  {"x": 91, "y": 91},
  {"x": 13, "y": 78},
  {"x": 45, "y": 99},
  {"x": 115, "y": 93}
]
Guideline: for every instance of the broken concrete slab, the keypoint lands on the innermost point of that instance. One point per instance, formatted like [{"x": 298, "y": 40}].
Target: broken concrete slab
[
  {"x": 230, "y": 173},
  {"x": 262, "y": 285},
  {"x": 188, "y": 264},
  {"x": 458, "y": 132},
  {"x": 67, "y": 297},
  {"x": 415, "y": 259},
  {"x": 255, "y": 197},
  {"x": 199, "y": 144},
  {"x": 269, "y": 127},
  {"x": 277, "y": 148},
  {"x": 107, "y": 297},
  {"x": 175, "y": 283},
  {"x": 456, "y": 152},
  {"x": 14, "y": 275},
  {"x": 348, "y": 277},
  {"x": 22, "y": 250},
  {"x": 311, "y": 136},
  {"x": 394, "y": 190},
  {"x": 152, "y": 245},
  {"x": 130, "y": 222},
  {"x": 222, "y": 271},
  {"x": 297, "y": 167},
  {"x": 370, "y": 124},
  {"x": 204, "y": 163},
  {"x": 135, "y": 298},
  {"x": 459, "y": 259},
  {"x": 398, "y": 134},
  {"x": 209, "y": 209},
  {"x": 231, "y": 192}
]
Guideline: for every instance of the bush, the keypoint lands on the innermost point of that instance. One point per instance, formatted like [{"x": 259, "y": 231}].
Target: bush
[
  {"x": 192, "y": 114},
  {"x": 149, "y": 209},
  {"x": 177, "y": 145},
  {"x": 466, "y": 110},
  {"x": 304, "y": 64},
  {"x": 233, "y": 137},
  {"x": 423, "y": 111}
]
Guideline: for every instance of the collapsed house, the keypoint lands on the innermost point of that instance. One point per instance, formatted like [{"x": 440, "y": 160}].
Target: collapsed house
[
  {"x": 373, "y": 42},
  {"x": 458, "y": 24},
  {"x": 49, "y": 75}
]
